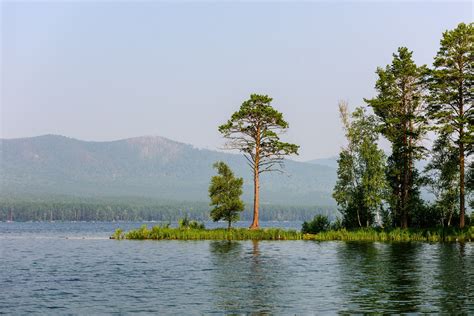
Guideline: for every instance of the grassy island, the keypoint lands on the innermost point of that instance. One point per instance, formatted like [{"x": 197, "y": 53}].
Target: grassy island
[
  {"x": 366, "y": 234},
  {"x": 168, "y": 233}
]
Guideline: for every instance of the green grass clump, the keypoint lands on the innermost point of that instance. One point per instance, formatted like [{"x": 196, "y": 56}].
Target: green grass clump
[
  {"x": 396, "y": 234},
  {"x": 160, "y": 233}
]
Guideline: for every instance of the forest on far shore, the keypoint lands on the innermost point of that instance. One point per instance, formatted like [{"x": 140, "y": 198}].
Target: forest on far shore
[{"x": 134, "y": 209}]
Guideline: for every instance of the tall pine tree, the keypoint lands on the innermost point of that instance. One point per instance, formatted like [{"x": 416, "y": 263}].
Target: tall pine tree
[
  {"x": 255, "y": 131},
  {"x": 451, "y": 96},
  {"x": 399, "y": 108}
]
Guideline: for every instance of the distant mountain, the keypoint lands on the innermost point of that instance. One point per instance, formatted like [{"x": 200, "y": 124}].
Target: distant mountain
[
  {"x": 328, "y": 162},
  {"x": 148, "y": 167}
]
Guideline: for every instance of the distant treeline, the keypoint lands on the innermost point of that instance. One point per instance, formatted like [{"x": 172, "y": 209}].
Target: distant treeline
[{"x": 136, "y": 210}]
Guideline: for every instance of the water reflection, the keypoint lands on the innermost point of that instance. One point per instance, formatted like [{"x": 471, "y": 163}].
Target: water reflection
[
  {"x": 262, "y": 281},
  {"x": 380, "y": 277},
  {"x": 245, "y": 279},
  {"x": 455, "y": 278},
  {"x": 405, "y": 294},
  {"x": 40, "y": 270},
  {"x": 226, "y": 255},
  {"x": 223, "y": 248}
]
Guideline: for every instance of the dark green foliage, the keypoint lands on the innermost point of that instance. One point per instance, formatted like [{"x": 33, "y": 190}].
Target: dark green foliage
[
  {"x": 257, "y": 123},
  {"x": 442, "y": 177},
  {"x": 399, "y": 106},
  {"x": 337, "y": 224},
  {"x": 426, "y": 216},
  {"x": 225, "y": 191},
  {"x": 319, "y": 224},
  {"x": 451, "y": 85},
  {"x": 361, "y": 180}
]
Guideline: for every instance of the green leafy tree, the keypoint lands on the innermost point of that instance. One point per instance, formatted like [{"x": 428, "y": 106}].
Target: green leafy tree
[
  {"x": 442, "y": 177},
  {"x": 361, "y": 181},
  {"x": 225, "y": 191},
  {"x": 399, "y": 106},
  {"x": 254, "y": 130},
  {"x": 451, "y": 96}
]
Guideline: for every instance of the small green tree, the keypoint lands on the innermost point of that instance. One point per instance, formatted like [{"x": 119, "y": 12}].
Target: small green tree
[
  {"x": 361, "y": 181},
  {"x": 225, "y": 191},
  {"x": 254, "y": 130}
]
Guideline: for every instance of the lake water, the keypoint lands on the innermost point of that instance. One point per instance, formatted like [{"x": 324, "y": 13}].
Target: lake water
[{"x": 72, "y": 268}]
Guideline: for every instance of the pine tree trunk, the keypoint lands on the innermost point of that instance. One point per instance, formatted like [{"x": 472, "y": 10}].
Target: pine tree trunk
[
  {"x": 256, "y": 182},
  {"x": 256, "y": 191},
  {"x": 405, "y": 184}
]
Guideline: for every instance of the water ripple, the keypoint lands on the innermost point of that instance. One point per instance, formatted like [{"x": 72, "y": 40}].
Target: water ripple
[{"x": 54, "y": 275}]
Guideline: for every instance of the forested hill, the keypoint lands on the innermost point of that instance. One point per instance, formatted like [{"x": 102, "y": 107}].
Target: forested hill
[{"x": 150, "y": 167}]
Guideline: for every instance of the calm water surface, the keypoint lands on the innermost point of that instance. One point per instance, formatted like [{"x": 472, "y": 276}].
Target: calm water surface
[{"x": 72, "y": 268}]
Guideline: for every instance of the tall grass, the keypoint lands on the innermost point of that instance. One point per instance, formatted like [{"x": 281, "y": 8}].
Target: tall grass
[
  {"x": 397, "y": 234},
  {"x": 159, "y": 233},
  {"x": 366, "y": 234}
]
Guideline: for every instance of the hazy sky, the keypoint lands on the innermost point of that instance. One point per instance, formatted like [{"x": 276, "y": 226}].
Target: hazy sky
[{"x": 117, "y": 69}]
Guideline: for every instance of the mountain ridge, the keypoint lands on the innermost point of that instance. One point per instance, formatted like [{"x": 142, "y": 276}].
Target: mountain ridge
[{"x": 145, "y": 166}]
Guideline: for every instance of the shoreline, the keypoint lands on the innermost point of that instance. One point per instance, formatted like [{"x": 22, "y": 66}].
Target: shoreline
[{"x": 274, "y": 234}]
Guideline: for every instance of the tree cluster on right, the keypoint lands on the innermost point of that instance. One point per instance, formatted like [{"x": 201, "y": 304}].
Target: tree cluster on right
[{"x": 411, "y": 102}]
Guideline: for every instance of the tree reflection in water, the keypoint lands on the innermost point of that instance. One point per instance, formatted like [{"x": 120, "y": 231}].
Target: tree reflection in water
[
  {"x": 246, "y": 281},
  {"x": 380, "y": 277},
  {"x": 454, "y": 277}
]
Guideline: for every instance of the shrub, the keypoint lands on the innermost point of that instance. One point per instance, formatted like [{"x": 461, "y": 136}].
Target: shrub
[
  {"x": 119, "y": 234},
  {"x": 319, "y": 224},
  {"x": 185, "y": 223}
]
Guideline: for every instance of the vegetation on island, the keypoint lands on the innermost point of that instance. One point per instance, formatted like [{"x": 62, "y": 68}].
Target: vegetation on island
[
  {"x": 412, "y": 100},
  {"x": 318, "y": 230},
  {"x": 160, "y": 232},
  {"x": 378, "y": 197}
]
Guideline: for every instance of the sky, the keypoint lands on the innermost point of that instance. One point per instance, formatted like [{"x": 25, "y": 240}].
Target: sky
[{"x": 107, "y": 70}]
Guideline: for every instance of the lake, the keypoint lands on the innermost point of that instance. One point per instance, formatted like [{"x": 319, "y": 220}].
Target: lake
[{"x": 73, "y": 268}]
